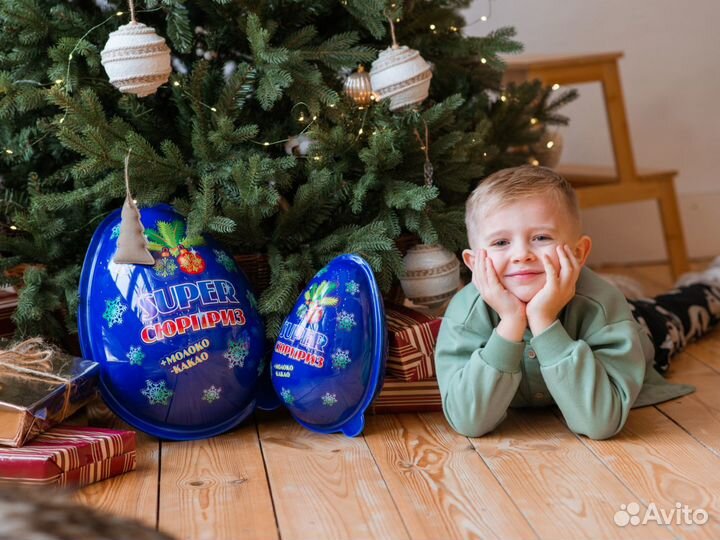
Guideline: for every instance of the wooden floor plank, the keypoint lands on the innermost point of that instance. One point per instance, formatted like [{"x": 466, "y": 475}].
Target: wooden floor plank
[
  {"x": 662, "y": 464},
  {"x": 326, "y": 486},
  {"x": 133, "y": 494},
  {"x": 439, "y": 483},
  {"x": 216, "y": 489},
  {"x": 707, "y": 350},
  {"x": 697, "y": 413},
  {"x": 556, "y": 481}
]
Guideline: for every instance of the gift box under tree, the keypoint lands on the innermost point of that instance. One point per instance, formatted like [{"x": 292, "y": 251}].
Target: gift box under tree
[
  {"x": 412, "y": 336},
  {"x": 70, "y": 456},
  {"x": 399, "y": 396},
  {"x": 40, "y": 387}
]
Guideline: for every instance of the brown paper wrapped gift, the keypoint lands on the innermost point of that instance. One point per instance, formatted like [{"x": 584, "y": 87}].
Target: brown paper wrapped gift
[{"x": 40, "y": 387}]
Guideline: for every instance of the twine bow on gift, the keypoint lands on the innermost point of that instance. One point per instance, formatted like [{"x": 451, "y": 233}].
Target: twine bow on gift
[{"x": 31, "y": 361}]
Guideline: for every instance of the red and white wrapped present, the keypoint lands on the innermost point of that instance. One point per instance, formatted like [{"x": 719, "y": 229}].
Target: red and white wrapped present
[
  {"x": 70, "y": 456},
  {"x": 399, "y": 396},
  {"x": 412, "y": 336}
]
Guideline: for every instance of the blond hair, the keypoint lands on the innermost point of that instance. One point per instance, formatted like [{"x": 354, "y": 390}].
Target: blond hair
[{"x": 511, "y": 185}]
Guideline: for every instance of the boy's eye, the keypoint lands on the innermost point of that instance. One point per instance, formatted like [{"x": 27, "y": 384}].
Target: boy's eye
[
  {"x": 500, "y": 243},
  {"x": 543, "y": 237}
]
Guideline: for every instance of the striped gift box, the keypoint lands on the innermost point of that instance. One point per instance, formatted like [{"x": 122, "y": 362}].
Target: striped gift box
[
  {"x": 412, "y": 336},
  {"x": 70, "y": 456},
  {"x": 399, "y": 396}
]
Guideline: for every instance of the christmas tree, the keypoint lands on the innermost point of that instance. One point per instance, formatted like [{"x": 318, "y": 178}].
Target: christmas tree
[{"x": 247, "y": 77}]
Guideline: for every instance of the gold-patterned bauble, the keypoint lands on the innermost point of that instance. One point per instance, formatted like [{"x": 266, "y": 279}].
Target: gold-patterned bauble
[
  {"x": 358, "y": 87},
  {"x": 136, "y": 59},
  {"x": 401, "y": 75},
  {"x": 432, "y": 275}
]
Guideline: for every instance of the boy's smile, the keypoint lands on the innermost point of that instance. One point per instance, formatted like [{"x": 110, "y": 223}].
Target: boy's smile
[{"x": 518, "y": 235}]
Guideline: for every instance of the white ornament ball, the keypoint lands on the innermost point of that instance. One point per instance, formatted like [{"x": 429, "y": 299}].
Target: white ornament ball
[
  {"x": 402, "y": 75},
  {"x": 136, "y": 59},
  {"x": 432, "y": 275},
  {"x": 298, "y": 145}
]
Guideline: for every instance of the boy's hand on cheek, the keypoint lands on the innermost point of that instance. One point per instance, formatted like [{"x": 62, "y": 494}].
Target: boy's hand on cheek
[
  {"x": 509, "y": 307},
  {"x": 544, "y": 308}
]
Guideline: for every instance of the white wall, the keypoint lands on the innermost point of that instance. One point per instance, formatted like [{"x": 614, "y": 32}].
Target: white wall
[{"x": 671, "y": 80}]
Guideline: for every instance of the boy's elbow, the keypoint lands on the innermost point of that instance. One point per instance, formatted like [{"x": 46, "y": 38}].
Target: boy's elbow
[
  {"x": 598, "y": 432},
  {"x": 473, "y": 429}
]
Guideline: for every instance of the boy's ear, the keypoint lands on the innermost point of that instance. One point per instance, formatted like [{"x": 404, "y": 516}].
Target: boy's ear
[
  {"x": 468, "y": 258},
  {"x": 583, "y": 248}
]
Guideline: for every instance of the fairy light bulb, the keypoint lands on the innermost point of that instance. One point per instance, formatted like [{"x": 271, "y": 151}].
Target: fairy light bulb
[
  {"x": 533, "y": 121},
  {"x": 484, "y": 18},
  {"x": 550, "y": 144},
  {"x": 556, "y": 86},
  {"x": 535, "y": 162},
  {"x": 483, "y": 60}
]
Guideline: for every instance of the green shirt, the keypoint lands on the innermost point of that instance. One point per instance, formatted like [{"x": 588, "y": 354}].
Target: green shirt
[{"x": 594, "y": 363}]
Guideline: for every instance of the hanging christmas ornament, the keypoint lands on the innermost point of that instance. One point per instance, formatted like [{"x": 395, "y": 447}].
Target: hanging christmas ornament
[
  {"x": 428, "y": 169},
  {"x": 358, "y": 87},
  {"x": 432, "y": 275},
  {"x": 132, "y": 247},
  {"x": 298, "y": 145},
  {"x": 135, "y": 58},
  {"x": 401, "y": 75}
]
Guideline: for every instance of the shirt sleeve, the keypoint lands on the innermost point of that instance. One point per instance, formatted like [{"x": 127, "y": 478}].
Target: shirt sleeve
[
  {"x": 594, "y": 381},
  {"x": 478, "y": 377}
]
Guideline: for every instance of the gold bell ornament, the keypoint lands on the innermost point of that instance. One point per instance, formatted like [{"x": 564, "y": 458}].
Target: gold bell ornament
[
  {"x": 136, "y": 59},
  {"x": 359, "y": 87}
]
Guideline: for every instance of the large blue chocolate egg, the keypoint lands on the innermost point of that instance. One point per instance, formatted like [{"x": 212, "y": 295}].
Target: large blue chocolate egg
[
  {"x": 180, "y": 342},
  {"x": 329, "y": 360}
]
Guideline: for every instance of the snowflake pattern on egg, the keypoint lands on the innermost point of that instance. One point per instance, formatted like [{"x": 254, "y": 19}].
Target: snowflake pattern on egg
[
  {"x": 329, "y": 399},
  {"x": 287, "y": 396},
  {"x": 340, "y": 359},
  {"x": 115, "y": 232},
  {"x": 224, "y": 260},
  {"x": 211, "y": 394},
  {"x": 352, "y": 287},
  {"x": 114, "y": 311},
  {"x": 346, "y": 321},
  {"x": 165, "y": 267},
  {"x": 136, "y": 356},
  {"x": 156, "y": 392},
  {"x": 237, "y": 352}
]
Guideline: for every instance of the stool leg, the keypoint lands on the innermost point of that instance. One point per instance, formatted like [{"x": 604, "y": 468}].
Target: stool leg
[
  {"x": 617, "y": 121},
  {"x": 673, "y": 231}
]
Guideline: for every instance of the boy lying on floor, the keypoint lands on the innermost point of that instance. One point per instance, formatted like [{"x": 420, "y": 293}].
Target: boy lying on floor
[{"x": 535, "y": 327}]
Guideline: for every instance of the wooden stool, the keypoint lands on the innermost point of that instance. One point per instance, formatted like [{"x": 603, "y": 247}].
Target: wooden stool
[{"x": 601, "y": 186}]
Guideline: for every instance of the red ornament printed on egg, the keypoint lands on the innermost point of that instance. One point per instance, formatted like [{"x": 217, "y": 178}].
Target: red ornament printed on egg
[{"x": 190, "y": 261}]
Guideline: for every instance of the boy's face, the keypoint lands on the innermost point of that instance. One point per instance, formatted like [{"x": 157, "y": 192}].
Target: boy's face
[{"x": 517, "y": 235}]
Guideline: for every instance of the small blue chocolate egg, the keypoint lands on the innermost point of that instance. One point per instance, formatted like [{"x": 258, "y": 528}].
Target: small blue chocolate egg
[
  {"x": 329, "y": 360},
  {"x": 180, "y": 342}
]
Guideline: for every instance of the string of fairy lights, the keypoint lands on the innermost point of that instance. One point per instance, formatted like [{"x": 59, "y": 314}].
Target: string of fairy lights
[{"x": 485, "y": 17}]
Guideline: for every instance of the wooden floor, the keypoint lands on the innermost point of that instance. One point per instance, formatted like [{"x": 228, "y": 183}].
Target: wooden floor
[{"x": 410, "y": 476}]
